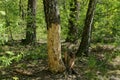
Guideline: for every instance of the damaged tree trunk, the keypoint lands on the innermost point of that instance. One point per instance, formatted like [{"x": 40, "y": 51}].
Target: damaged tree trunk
[
  {"x": 52, "y": 18},
  {"x": 69, "y": 60}
]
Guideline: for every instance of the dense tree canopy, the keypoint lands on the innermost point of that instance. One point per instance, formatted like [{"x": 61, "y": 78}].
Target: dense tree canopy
[{"x": 106, "y": 18}]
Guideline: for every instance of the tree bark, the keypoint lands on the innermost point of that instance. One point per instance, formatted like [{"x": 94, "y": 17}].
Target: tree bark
[
  {"x": 86, "y": 35},
  {"x": 52, "y": 19},
  {"x": 7, "y": 21},
  {"x": 73, "y": 20},
  {"x": 21, "y": 10},
  {"x": 31, "y": 22}
]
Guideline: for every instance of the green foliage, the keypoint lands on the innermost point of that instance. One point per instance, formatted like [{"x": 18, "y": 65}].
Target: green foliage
[
  {"x": 92, "y": 62},
  {"x": 15, "y": 78},
  {"x": 36, "y": 53},
  {"x": 106, "y": 21},
  {"x": 3, "y": 36},
  {"x": 8, "y": 58},
  {"x": 97, "y": 65}
]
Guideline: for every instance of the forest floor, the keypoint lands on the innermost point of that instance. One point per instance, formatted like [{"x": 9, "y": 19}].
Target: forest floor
[{"x": 102, "y": 64}]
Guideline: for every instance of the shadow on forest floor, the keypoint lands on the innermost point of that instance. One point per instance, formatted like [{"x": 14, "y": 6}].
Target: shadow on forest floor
[{"x": 102, "y": 64}]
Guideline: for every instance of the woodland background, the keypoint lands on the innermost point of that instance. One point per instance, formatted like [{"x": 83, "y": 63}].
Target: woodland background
[{"x": 26, "y": 58}]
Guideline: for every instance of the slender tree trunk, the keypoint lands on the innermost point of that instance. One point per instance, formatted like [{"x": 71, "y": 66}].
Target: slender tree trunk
[
  {"x": 52, "y": 18},
  {"x": 21, "y": 10},
  {"x": 10, "y": 36},
  {"x": 31, "y": 22},
  {"x": 64, "y": 4},
  {"x": 86, "y": 35},
  {"x": 73, "y": 20}
]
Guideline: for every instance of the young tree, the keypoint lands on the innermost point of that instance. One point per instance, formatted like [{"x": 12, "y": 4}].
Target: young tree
[
  {"x": 31, "y": 22},
  {"x": 21, "y": 9},
  {"x": 52, "y": 18},
  {"x": 7, "y": 4},
  {"x": 73, "y": 20},
  {"x": 85, "y": 42}
]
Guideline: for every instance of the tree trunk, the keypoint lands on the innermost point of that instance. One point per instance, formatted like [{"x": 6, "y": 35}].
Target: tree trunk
[
  {"x": 7, "y": 21},
  {"x": 73, "y": 20},
  {"x": 21, "y": 10},
  {"x": 31, "y": 22},
  {"x": 52, "y": 18},
  {"x": 86, "y": 35}
]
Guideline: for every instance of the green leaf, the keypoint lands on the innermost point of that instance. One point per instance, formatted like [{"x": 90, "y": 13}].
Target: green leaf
[{"x": 10, "y": 53}]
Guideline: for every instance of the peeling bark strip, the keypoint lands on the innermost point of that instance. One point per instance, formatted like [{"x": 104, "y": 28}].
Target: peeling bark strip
[
  {"x": 52, "y": 18},
  {"x": 54, "y": 49},
  {"x": 85, "y": 42},
  {"x": 69, "y": 60}
]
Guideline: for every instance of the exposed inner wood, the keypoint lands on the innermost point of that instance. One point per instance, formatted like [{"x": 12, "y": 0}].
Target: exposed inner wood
[{"x": 54, "y": 49}]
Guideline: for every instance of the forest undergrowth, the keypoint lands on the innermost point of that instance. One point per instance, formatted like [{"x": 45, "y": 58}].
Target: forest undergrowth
[{"x": 28, "y": 62}]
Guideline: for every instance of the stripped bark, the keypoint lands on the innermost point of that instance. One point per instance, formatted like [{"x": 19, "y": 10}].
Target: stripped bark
[{"x": 52, "y": 18}]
